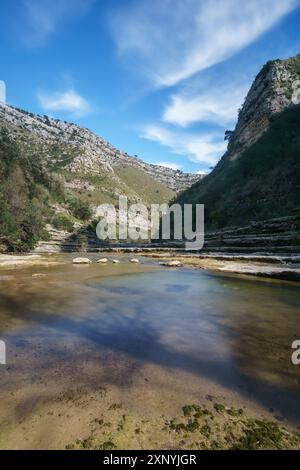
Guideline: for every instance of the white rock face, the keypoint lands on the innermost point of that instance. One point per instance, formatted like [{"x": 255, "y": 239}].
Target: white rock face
[
  {"x": 102, "y": 260},
  {"x": 81, "y": 261}
]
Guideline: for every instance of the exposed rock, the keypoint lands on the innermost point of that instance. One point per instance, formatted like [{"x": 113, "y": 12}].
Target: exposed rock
[
  {"x": 81, "y": 261},
  {"x": 174, "y": 263},
  {"x": 134, "y": 260},
  {"x": 102, "y": 260},
  {"x": 91, "y": 154},
  {"x": 271, "y": 92},
  {"x": 116, "y": 261}
]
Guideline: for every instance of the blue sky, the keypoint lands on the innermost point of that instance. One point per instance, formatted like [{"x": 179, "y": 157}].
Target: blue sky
[{"x": 161, "y": 79}]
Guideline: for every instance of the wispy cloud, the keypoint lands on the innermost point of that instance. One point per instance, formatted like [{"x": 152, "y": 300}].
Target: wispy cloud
[
  {"x": 68, "y": 101},
  {"x": 171, "y": 44},
  {"x": 42, "y": 18},
  {"x": 2, "y": 92},
  {"x": 218, "y": 105},
  {"x": 172, "y": 166},
  {"x": 203, "y": 148}
]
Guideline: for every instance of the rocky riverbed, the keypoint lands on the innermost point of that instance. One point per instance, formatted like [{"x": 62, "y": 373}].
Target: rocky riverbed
[{"x": 285, "y": 268}]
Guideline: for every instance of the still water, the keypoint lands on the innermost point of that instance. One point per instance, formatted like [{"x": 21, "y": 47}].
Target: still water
[{"x": 186, "y": 334}]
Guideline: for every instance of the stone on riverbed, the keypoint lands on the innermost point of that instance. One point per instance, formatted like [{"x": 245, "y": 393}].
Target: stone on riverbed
[
  {"x": 116, "y": 261},
  {"x": 81, "y": 261},
  {"x": 134, "y": 260},
  {"x": 102, "y": 260},
  {"x": 171, "y": 263}
]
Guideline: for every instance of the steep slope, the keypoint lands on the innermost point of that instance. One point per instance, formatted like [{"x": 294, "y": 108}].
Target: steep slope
[
  {"x": 259, "y": 175},
  {"x": 270, "y": 93},
  {"x": 84, "y": 152}
]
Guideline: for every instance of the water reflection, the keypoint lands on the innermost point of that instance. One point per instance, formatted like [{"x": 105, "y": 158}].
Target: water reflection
[{"x": 233, "y": 332}]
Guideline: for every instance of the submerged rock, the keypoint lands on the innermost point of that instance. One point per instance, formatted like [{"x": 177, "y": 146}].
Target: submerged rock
[
  {"x": 102, "y": 260},
  {"x": 81, "y": 261}
]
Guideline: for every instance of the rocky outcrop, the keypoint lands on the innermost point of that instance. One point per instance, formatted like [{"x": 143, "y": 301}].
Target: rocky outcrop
[
  {"x": 270, "y": 93},
  {"x": 280, "y": 236}
]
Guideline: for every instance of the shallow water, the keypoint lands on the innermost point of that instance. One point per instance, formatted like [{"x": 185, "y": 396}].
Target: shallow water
[{"x": 186, "y": 333}]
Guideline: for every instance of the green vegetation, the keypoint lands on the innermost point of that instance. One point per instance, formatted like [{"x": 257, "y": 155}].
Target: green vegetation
[
  {"x": 62, "y": 222},
  {"x": 262, "y": 183},
  {"x": 29, "y": 187},
  {"x": 261, "y": 435},
  {"x": 143, "y": 185},
  {"x": 197, "y": 427},
  {"x": 80, "y": 209},
  {"x": 25, "y": 189}
]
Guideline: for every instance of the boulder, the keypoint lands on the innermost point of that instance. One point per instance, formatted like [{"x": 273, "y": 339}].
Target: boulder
[
  {"x": 171, "y": 263},
  {"x": 81, "y": 261},
  {"x": 134, "y": 260},
  {"x": 102, "y": 260},
  {"x": 116, "y": 261}
]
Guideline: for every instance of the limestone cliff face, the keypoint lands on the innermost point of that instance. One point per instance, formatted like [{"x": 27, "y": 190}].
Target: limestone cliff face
[
  {"x": 92, "y": 154},
  {"x": 271, "y": 92}
]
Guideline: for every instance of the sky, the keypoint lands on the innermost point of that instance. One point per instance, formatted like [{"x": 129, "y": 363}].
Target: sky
[{"x": 161, "y": 79}]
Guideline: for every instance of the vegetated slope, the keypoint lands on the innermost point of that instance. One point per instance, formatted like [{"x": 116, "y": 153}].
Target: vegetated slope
[
  {"x": 38, "y": 192},
  {"x": 26, "y": 189},
  {"x": 264, "y": 182},
  {"x": 86, "y": 153},
  {"x": 258, "y": 177}
]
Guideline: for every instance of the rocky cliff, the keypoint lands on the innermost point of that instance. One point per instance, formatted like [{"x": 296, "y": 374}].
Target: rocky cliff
[{"x": 271, "y": 92}]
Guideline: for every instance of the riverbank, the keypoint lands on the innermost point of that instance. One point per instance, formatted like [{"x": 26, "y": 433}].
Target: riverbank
[
  {"x": 262, "y": 266},
  {"x": 281, "y": 268},
  {"x": 12, "y": 261}
]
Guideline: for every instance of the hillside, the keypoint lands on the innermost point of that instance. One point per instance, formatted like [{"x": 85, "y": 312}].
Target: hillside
[
  {"x": 54, "y": 175},
  {"x": 79, "y": 151},
  {"x": 259, "y": 176}
]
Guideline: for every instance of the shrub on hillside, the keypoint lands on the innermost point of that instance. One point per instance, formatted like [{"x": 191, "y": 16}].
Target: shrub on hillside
[
  {"x": 80, "y": 209},
  {"x": 63, "y": 222}
]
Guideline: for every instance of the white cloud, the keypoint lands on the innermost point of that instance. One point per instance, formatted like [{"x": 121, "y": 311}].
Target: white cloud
[
  {"x": 172, "y": 43},
  {"x": 2, "y": 92},
  {"x": 172, "y": 166},
  {"x": 41, "y": 18},
  {"x": 68, "y": 101},
  {"x": 216, "y": 104},
  {"x": 204, "y": 148}
]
